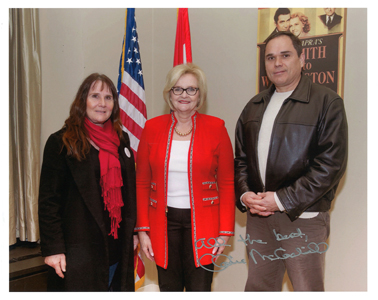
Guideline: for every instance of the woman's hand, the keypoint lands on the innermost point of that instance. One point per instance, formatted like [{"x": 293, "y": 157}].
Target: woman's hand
[
  {"x": 136, "y": 241},
  {"x": 145, "y": 244},
  {"x": 58, "y": 262},
  {"x": 222, "y": 242}
]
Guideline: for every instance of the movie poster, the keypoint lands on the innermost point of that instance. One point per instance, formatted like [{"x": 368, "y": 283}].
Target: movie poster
[{"x": 322, "y": 31}]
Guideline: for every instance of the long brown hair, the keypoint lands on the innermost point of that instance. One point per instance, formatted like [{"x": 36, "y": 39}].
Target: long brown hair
[{"x": 75, "y": 136}]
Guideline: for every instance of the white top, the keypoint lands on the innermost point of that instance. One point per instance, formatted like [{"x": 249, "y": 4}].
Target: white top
[
  {"x": 178, "y": 182},
  {"x": 264, "y": 140},
  {"x": 267, "y": 127}
]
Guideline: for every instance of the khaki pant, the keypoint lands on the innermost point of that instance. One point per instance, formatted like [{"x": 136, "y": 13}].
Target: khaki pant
[{"x": 276, "y": 244}]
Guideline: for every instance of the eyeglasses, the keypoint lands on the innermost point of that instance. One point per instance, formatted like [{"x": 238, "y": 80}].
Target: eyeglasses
[{"x": 191, "y": 91}]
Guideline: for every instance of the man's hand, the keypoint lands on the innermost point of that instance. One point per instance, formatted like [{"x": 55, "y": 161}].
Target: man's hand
[
  {"x": 268, "y": 201},
  {"x": 262, "y": 204}
]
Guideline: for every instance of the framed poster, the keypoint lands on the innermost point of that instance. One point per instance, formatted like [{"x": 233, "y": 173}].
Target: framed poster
[{"x": 322, "y": 31}]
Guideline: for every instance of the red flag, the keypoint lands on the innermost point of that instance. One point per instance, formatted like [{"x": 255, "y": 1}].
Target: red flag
[
  {"x": 138, "y": 268},
  {"x": 183, "y": 46}
]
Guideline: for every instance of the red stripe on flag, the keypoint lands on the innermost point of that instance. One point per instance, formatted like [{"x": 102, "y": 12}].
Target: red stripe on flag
[
  {"x": 131, "y": 125},
  {"x": 133, "y": 99},
  {"x": 138, "y": 268}
]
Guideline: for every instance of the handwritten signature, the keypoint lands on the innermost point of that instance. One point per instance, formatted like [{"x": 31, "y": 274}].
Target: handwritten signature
[
  {"x": 280, "y": 237},
  {"x": 248, "y": 240},
  {"x": 223, "y": 265},
  {"x": 211, "y": 243},
  {"x": 280, "y": 253},
  {"x": 312, "y": 248}
]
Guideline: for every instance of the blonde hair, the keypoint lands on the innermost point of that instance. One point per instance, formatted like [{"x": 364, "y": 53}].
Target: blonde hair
[{"x": 174, "y": 75}]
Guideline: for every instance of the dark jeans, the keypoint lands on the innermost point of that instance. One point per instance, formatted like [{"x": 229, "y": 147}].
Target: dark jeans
[
  {"x": 181, "y": 271},
  {"x": 112, "y": 270}
]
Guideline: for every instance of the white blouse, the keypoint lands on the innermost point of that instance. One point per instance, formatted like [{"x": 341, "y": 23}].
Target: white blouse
[{"x": 178, "y": 182}]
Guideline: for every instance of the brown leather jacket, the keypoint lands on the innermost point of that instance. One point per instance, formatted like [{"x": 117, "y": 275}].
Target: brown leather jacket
[{"x": 308, "y": 149}]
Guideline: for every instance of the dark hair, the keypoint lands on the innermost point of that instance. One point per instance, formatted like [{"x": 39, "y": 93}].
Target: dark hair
[
  {"x": 295, "y": 40},
  {"x": 281, "y": 11},
  {"x": 75, "y": 136}
]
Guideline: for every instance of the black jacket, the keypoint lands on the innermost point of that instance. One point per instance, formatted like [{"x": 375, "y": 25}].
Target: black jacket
[
  {"x": 71, "y": 216},
  {"x": 308, "y": 149},
  {"x": 336, "y": 20}
]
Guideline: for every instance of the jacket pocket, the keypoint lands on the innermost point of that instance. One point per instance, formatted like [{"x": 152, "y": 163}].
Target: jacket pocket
[
  {"x": 153, "y": 192},
  {"x": 152, "y": 203},
  {"x": 209, "y": 185},
  {"x": 211, "y": 201}
]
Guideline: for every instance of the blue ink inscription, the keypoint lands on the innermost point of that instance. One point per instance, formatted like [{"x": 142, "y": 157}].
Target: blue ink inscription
[
  {"x": 280, "y": 237},
  {"x": 224, "y": 265},
  {"x": 211, "y": 243},
  {"x": 280, "y": 253},
  {"x": 312, "y": 248},
  {"x": 248, "y": 239}
]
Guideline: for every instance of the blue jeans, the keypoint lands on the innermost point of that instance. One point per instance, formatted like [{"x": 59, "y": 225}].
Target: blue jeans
[{"x": 112, "y": 270}]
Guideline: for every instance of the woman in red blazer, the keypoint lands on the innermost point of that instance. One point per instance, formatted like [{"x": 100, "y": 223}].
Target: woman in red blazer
[{"x": 185, "y": 186}]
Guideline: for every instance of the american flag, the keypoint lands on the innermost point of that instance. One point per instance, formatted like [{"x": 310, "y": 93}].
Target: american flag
[
  {"x": 132, "y": 104},
  {"x": 183, "y": 46},
  {"x": 130, "y": 84}
]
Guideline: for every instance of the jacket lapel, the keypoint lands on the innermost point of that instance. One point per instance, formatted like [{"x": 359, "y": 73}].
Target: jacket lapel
[
  {"x": 84, "y": 177},
  {"x": 126, "y": 154}
]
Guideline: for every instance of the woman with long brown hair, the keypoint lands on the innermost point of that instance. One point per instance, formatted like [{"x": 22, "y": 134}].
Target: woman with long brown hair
[{"x": 87, "y": 207}]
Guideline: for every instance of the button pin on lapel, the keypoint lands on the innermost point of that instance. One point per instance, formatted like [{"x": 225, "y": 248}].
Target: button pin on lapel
[{"x": 127, "y": 152}]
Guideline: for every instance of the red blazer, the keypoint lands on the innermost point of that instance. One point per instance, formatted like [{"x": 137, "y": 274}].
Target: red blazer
[{"x": 211, "y": 184}]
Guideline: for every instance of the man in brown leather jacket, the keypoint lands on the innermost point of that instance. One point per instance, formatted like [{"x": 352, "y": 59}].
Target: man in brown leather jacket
[{"x": 290, "y": 154}]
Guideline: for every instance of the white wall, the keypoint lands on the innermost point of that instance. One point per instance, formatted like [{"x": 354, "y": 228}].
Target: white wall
[{"x": 77, "y": 42}]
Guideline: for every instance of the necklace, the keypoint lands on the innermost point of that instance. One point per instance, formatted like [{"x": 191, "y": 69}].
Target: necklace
[{"x": 184, "y": 134}]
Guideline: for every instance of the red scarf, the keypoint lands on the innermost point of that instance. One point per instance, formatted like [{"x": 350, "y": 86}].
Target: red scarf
[{"x": 107, "y": 140}]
